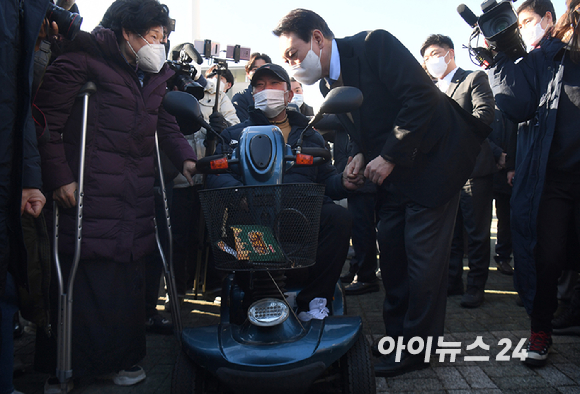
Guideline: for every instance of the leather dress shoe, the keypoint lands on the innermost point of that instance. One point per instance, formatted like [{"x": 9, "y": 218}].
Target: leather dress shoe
[
  {"x": 356, "y": 288},
  {"x": 387, "y": 367},
  {"x": 472, "y": 298},
  {"x": 504, "y": 267},
  {"x": 348, "y": 277}
]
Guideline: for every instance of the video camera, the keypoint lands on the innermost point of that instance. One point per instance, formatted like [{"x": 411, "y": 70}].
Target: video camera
[
  {"x": 182, "y": 61},
  {"x": 499, "y": 25}
]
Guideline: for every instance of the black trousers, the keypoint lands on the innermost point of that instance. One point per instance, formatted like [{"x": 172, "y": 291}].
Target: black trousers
[
  {"x": 503, "y": 244},
  {"x": 335, "y": 229},
  {"x": 558, "y": 213},
  {"x": 185, "y": 211},
  {"x": 414, "y": 242},
  {"x": 474, "y": 215},
  {"x": 364, "y": 236}
]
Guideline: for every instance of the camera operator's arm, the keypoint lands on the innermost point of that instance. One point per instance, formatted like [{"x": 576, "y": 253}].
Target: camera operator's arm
[{"x": 515, "y": 86}]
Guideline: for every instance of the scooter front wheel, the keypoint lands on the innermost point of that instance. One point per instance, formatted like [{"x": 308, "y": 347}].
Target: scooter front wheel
[{"x": 357, "y": 372}]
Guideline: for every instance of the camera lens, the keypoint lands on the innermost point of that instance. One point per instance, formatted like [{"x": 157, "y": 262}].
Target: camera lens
[
  {"x": 500, "y": 24},
  {"x": 69, "y": 23}
]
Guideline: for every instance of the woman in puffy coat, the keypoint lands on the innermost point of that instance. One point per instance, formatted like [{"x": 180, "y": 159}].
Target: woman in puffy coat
[
  {"x": 543, "y": 88},
  {"x": 124, "y": 57}
]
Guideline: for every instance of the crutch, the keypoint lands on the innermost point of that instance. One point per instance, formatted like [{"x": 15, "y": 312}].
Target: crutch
[
  {"x": 65, "y": 301},
  {"x": 168, "y": 262}
]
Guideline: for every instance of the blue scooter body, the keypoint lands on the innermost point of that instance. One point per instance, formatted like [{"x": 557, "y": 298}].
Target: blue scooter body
[{"x": 290, "y": 355}]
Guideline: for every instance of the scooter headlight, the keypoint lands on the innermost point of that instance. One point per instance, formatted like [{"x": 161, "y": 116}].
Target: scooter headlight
[{"x": 268, "y": 312}]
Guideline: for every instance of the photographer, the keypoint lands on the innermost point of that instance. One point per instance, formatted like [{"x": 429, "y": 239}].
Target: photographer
[
  {"x": 543, "y": 89},
  {"x": 125, "y": 58},
  {"x": 185, "y": 202},
  {"x": 243, "y": 100}
]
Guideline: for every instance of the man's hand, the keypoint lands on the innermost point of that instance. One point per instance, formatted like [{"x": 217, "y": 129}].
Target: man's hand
[
  {"x": 218, "y": 122},
  {"x": 47, "y": 30},
  {"x": 378, "y": 170},
  {"x": 66, "y": 196},
  {"x": 352, "y": 176},
  {"x": 32, "y": 202},
  {"x": 189, "y": 170},
  {"x": 355, "y": 166},
  {"x": 501, "y": 161},
  {"x": 510, "y": 178}
]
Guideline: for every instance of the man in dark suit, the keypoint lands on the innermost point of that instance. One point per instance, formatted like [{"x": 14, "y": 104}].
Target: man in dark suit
[
  {"x": 472, "y": 92},
  {"x": 405, "y": 132}
]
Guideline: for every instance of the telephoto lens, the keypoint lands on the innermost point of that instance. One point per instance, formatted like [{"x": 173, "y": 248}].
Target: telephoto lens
[{"x": 69, "y": 23}]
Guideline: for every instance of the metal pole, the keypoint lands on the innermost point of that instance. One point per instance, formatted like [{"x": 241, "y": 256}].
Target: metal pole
[{"x": 168, "y": 263}]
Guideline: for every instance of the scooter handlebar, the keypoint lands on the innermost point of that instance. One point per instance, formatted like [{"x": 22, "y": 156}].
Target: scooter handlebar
[
  {"x": 321, "y": 155},
  {"x": 216, "y": 164}
]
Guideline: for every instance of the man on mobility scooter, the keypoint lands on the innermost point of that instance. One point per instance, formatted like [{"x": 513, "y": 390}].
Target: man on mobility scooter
[
  {"x": 272, "y": 93},
  {"x": 261, "y": 228}
]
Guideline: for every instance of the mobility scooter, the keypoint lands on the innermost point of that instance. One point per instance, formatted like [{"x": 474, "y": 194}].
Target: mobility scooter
[{"x": 258, "y": 232}]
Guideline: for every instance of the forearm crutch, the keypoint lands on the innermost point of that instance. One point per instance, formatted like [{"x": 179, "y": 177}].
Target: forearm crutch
[
  {"x": 168, "y": 262},
  {"x": 65, "y": 301}
]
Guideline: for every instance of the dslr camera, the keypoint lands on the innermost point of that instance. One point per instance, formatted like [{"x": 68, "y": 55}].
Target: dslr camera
[
  {"x": 499, "y": 26},
  {"x": 69, "y": 23}
]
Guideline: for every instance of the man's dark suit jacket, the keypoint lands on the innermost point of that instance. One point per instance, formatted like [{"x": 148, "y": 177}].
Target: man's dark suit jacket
[
  {"x": 471, "y": 90},
  {"x": 407, "y": 120}
]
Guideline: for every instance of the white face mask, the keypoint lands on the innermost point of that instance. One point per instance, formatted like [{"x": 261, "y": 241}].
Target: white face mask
[
  {"x": 310, "y": 69},
  {"x": 151, "y": 57},
  {"x": 222, "y": 84},
  {"x": 532, "y": 35},
  {"x": 298, "y": 99},
  {"x": 437, "y": 66},
  {"x": 270, "y": 101}
]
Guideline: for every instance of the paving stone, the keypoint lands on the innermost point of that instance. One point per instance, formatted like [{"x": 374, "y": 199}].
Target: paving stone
[
  {"x": 570, "y": 370},
  {"x": 554, "y": 376},
  {"x": 521, "y": 383},
  {"x": 451, "y": 378},
  {"x": 401, "y": 385},
  {"x": 568, "y": 390},
  {"x": 476, "y": 378}
]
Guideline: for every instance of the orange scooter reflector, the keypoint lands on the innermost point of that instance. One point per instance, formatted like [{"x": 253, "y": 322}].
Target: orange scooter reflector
[
  {"x": 219, "y": 164},
  {"x": 304, "y": 159}
]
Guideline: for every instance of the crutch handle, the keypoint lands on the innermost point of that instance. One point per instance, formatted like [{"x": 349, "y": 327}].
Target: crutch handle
[{"x": 88, "y": 89}]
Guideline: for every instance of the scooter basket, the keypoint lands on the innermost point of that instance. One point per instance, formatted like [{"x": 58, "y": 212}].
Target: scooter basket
[{"x": 263, "y": 227}]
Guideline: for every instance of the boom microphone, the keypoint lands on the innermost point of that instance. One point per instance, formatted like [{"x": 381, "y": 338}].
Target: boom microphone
[{"x": 467, "y": 15}]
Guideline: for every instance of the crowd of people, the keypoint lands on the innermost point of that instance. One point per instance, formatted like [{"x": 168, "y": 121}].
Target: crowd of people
[{"x": 420, "y": 163}]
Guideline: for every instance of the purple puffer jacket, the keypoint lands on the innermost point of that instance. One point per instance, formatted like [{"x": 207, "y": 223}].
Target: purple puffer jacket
[{"x": 120, "y": 152}]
